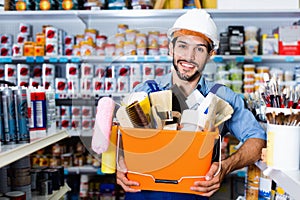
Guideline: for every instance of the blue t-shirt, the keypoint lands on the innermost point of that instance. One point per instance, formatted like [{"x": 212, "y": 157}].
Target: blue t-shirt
[{"x": 242, "y": 124}]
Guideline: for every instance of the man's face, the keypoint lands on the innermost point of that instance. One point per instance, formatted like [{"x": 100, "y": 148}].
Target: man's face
[{"x": 190, "y": 55}]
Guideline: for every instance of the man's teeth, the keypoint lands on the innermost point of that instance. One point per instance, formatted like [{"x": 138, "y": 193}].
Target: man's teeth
[{"x": 187, "y": 65}]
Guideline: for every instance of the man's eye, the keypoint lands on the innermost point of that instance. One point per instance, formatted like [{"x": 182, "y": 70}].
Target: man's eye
[
  {"x": 181, "y": 46},
  {"x": 200, "y": 49}
]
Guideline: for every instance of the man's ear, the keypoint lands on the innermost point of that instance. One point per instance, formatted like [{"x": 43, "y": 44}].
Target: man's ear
[{"x": 170, "y": 48}]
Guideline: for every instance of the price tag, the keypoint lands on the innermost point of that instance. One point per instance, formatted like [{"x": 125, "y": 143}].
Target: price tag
[
  {"x": 257, "y": 59},
  {"x": 130, "y": 59},
  {"x": 140, "y": 58},
  {"x": 63, "y": 59},
  {"x": 66, "y": 172},
  {"x": 39, "y": 59},
  {"x": 99, "y": 172},
  {"x": 5, "y": 60},
  {"x": 150, "y": 58},
  {"x": 163, "y": 58},
  {"x": 75, "y": 59},
  {"x": 218, "y": 59},
  {"x": 108, "y": 59},
  {"x": 239, "y": 59},
  {"x": 289, "y": 59},
  {"x": 53, "y": 60},
  {"x": 29, "y": 59}
]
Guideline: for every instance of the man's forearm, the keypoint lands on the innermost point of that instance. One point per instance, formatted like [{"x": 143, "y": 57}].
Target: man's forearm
[{"x": 247, "y": 154}]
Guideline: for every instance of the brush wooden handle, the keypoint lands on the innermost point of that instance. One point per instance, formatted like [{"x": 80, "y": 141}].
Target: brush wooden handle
[
  {"x": 198, "y": 4},
  {"x": 159, "y": 4}
]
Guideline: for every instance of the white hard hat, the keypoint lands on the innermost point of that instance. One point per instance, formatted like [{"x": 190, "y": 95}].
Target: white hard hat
[{"x": 197, "y": 20}]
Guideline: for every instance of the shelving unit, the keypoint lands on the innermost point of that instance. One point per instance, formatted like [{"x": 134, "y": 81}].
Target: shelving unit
[
  {"x": 54, "y": 196},
  {"x": 106, "y": 21},
  {"x": 11, "y": 153},
  {"x": 288, "y": 180}
]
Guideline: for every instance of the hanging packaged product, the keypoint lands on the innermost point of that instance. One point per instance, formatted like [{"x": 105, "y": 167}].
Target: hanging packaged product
[{"x": 236, "y": 40}]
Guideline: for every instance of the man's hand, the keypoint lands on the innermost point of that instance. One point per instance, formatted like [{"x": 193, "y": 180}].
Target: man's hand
[
  {"x": 123, "y": 180},
  {"x": 212, "y": 182}
]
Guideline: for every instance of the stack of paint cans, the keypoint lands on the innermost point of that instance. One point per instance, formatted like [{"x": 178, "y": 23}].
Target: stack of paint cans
[
  {"x": 4, "y": 186},
  {"x": 45, "y": 180},
  {"x": 14, "y": 124},
  {"x": 20, "y": 178}
]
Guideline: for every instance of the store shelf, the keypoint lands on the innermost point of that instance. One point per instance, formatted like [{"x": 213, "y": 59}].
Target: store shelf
[
  {"x": 83, "y": 170},
  {"x": 288, "y": 180},
  {"x": 54, "y": 196},
  {"x": 11, "y": 153},
  {"x": 80, "y": 133}
]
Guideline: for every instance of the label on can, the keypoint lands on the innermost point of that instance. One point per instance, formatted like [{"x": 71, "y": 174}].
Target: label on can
[
  {"x": 17, "y": 50},
  {"x": 87, "y": 70},
  {"x": 51, "y": 34},
  {"x": 6, "y": 39},
  {"x": 10, "y": 70},
  {"x": 72, "y": 70},
  {"x": 5, "y": 50},
  {"x": 25, "y": 28},
  {"x": 51, "y": 48}
]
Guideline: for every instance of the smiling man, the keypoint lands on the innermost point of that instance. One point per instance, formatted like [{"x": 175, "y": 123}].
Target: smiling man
[{"x": 193, "y": 41}]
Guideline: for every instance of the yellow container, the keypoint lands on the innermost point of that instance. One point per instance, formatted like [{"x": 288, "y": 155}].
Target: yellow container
[
  {"x": 108, "y": 159},
  {"x": 209, "y": 3},
  {"x": 173, "y": 4}
]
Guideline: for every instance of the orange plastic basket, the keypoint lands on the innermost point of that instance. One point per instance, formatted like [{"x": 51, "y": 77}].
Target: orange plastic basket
[{"x": 167, "y": 160}]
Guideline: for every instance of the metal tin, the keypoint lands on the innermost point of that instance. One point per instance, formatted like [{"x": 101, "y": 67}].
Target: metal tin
[
  {"x": 6, "y": 39},
  {"x": 51, "y": 48},
  {"x": 101, "y": 40},
  {"x": 20, "y": 96},
  {"x": 10, "y": 70},
  {"x": 110, "y": 85},
  {"x": 28, "y": 48},
  {"x": 100, "y": 71},
  {"x": 73, "y": 88},
  {"x": 25, "y": 28},
  {"x": 21, "y": 38},
  {"x": 76, "y": 123},
  {"x": 17, "y": 50},
  {"x": 51, "y": 34},
  {"x": 35, "y": 82},
  {"x": 72, "y": 70},
  {"x": 9, "y": 116},
  {"x": 65, "y": 111},
  {"x": 16, "y": 195},
  {"x": 87, "y": 111},
  {"x": 86, "y": 123},
  {"x": 87, "y": 70},
  {"x": 76, "y": 111},
  {"x": 39, "y": 50},
  {"x": 40, "y": 110},
  {"x": 69, "y": 40},
  {"x": 68, "y": 50},
  {"x": 23, "y": 70},
  {"x": 48, "y": 70},
  {"x": 5, "y": 50},
  {"x": 40, "y": 38},
  {"x": 2, "y": 133},
  {"x": 123, "y": 84}
]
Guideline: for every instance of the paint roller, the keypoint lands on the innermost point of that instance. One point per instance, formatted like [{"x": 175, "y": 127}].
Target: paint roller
[{"x": 103, "y": 125}]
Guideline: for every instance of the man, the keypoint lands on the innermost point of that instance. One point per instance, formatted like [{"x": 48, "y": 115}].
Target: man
[{"x": 193, "y": 41}]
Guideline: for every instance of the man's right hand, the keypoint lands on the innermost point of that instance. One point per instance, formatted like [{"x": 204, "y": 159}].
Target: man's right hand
[{"x": 123, "y": 180}]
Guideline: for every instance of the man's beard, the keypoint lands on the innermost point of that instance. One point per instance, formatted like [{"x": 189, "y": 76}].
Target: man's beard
[{"x": 185, "y": 77}]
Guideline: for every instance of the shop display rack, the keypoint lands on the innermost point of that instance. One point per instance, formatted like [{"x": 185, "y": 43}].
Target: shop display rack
[
  {"x": 54, "y": 196},
  {"x": 13, "y": 152},
  {"x": 288, "y": 180}
]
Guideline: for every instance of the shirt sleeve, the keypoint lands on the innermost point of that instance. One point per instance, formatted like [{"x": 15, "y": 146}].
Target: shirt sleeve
[{"x": 242, "y": 124}]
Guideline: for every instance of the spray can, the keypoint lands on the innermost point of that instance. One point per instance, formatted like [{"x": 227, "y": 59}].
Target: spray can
[
  {"x": 22, "y": 122},
  {"x": 1, "y": 120},
  {"x": 9, "y": 116},
  {"x": 40, "y": 110}
]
